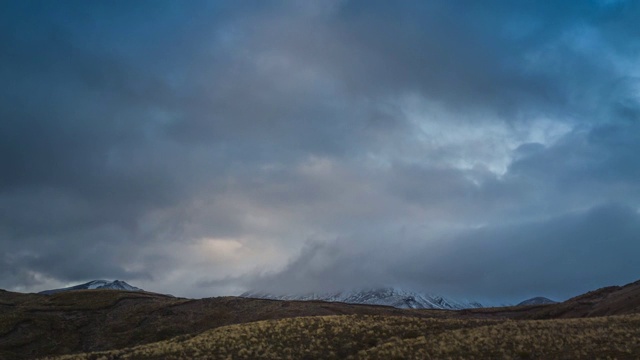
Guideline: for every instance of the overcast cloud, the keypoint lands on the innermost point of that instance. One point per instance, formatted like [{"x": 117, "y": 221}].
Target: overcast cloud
[{"x": 486, "y": 150}]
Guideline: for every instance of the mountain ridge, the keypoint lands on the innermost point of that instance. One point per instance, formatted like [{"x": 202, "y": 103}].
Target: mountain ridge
[
  {"x": 95, "y": 285},
  {"x": 387, "y": 296}
]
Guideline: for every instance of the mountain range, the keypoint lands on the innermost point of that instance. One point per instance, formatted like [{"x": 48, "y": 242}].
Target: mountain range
[
  {"x": 398, "y": 298},
  {"x": 387, "y": 296}
]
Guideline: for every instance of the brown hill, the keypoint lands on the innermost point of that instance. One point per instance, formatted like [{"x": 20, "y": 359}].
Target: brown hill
[
  {"x": 34, "y": 325},
  {"x": 612, "y": 300},
  {"x": 606, "y": 301},
  {"x": 398, "y": 337}
]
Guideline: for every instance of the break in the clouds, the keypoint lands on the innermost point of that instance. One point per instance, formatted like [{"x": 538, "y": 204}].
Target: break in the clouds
[{"x": 478, "y": 149}]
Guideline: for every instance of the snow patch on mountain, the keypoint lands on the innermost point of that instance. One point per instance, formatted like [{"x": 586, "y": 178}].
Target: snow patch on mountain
[
  {"x": 96, "y": 284},
  {"x": 398, "y": 298}
]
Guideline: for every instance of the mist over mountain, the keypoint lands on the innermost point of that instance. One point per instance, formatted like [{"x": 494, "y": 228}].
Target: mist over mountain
[
  {"x": 399, "y": 298},
  {"x": 483, "y": 150},
  {"x": 432, "y": 160}
]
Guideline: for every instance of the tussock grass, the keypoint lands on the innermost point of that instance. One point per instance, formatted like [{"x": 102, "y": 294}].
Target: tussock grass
[
  {"x": 614, "y": 337},
  {"x": 393, "y": 337},
  {"x": 319, "y": 337}
]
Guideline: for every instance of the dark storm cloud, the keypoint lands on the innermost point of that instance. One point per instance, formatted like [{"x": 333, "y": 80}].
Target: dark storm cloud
[
  {"x": 559, "y": 257},
  {"x": 498, "y": 55},
  {"x": 158, "y": 141},
  {"x": 76, "y": 154}
]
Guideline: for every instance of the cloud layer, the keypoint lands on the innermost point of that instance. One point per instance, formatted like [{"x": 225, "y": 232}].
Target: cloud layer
[{"x": 478, "y": 150}]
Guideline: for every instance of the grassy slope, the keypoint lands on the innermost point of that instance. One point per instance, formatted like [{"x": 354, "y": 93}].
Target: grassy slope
[
  {"x": 384, "y": 337},
  {"x": 614, "y": 337},
  {"x": 319, "y": 337}
]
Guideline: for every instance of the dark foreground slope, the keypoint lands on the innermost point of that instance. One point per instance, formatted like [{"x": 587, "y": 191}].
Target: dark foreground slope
[
  {"x": 34, "y": 325},
  {"x": 394, "y": 337}
]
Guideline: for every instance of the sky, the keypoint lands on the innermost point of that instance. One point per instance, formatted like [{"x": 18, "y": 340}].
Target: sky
[{"x": 480, "y": 150}]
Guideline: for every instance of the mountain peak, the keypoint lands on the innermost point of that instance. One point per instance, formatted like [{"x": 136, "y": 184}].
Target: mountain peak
[
  {"x": 96, "y": 285},
  {"x": 538, "y": 300}
]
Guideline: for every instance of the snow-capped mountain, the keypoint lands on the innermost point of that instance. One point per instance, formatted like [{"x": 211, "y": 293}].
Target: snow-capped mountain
[
  {"x": 537, "y": 301},
  {"x": 398, "y": 298},
  {"x": 96, "y": 284}
]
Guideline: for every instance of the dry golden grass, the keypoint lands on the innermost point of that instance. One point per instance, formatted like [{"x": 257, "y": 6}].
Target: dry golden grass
[
  {"x": 385, "y": 337},
  {"x": 614, "y": 337},
  {"x": 319, "y": 337}
]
